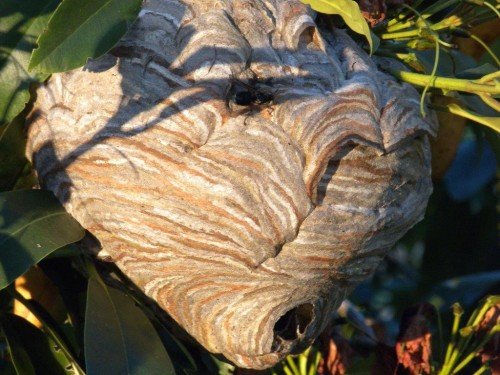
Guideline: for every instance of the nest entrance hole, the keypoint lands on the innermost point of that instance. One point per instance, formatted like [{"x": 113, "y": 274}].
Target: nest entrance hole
[{"x": 294, "y": 322}]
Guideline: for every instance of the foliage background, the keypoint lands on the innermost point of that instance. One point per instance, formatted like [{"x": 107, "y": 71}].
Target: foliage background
[{"x": 74, "y": 317}]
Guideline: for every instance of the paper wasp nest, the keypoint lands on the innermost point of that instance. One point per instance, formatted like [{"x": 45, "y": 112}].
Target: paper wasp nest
[{"x": 247, "y": 220}]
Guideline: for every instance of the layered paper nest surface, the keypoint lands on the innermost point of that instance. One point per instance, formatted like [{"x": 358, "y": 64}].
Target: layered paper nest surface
[{"x": 247, "y": 223}]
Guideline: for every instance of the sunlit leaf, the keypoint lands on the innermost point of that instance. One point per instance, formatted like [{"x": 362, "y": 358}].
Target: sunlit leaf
[
  {"x": 475, "y": 103},
  {"x": 223, "y": 368},
  {"x": 21, "y": 22},
  {"x": 119, "y": 338},
  {"x": 492, "y": 122},
  {"x": 33, "y": 352},
  {"x": 32, "y": 225},
  {"x": 50, "y": 326},
  {"x": 350, "y": 13},
  {"x": 82, "y": 29}
]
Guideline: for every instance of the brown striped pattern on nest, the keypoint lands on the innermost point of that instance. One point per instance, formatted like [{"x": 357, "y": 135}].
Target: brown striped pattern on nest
[{"x": 247, "y": 224}]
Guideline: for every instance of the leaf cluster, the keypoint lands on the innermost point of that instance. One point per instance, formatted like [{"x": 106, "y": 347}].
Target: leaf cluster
[
  {"x": 421, "y": 36},
  {"x": 111, "y": 329}
]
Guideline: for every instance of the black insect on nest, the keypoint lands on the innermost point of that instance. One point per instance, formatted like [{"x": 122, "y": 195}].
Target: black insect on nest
[{"x": 251, "y": 94}]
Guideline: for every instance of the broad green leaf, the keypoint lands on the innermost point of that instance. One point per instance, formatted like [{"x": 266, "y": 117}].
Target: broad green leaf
[
  {"x": 12, "y": 160},
  {"x": 21, "y": 22},
  {"x": 477, "y": 71},
  {"x": 38, "y": 350},
  {"x": 61, "y": 268},
  {"x": 68, "y": 251},
  {"x": 374, "y": 42},
  {"x": 82, "y": 29},
  {"x": 450, "y": 62},
  {"x": 118, "y": 337},
  {"x": 32, "y": 225},
  {"x": 350, "y": 13}
]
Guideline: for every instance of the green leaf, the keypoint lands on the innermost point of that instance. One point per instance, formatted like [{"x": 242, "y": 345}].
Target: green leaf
[
  {"x": 450, "y": 62},
  {"x": 223, "y": 368},
  {"x": 21, "y": 22},
  {"x": 32, "y": 351},
  {"x": 50, "y": 326},
  {"x": 12, "y": 160},
  {"x": 476, "y": 72},
  {"x": 475, "y": 103},
  {"x": 184, "y": 362},
  {"x": 118, "y": 337},
  {"x": 68, "y": 251},
  {"x": 492, "y": 122},
  {"x": 350, "y": 13},
  {"x": 32, "y": 225},
  {"x": 82, "y": 29},
  {"x": 375, "y": 42}
]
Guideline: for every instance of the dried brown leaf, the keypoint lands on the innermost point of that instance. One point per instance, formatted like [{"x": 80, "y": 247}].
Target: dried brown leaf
[
  {"x": 413, "y": 346},
  {"x": 336, "y": 353},
  {"x": 375, "y": 11},
  {"x": 491, "y": 351}
]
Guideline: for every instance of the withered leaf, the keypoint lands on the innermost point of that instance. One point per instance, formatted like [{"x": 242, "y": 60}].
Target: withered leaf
[{"x": 413, "y": 346}]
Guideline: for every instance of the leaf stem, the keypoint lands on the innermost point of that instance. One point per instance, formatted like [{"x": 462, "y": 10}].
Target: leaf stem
[
  {"x": 491, "y": 122},
  {"x": 466, "y": 85},
  {"x": 492, "y": 8},
  {"x": 429, "y": 81},
  {"x": 303, "y": 361},
  {"x": 314, "y": 367},
  {"x": 482, "y": 370},
  {"x": 401, "y": 16},
  {"x": 485, "y": 46},
  {"x": 457, "y": 312},
  {"x": 438, "y": 6},
  {"x": 292, "y": 365},
  {"x": 476, "y": 349},
  {"x": 492, "y": 102}
]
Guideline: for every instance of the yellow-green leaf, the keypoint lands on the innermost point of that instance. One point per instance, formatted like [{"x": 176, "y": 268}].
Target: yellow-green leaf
[
  {"x": 118, "y": 336},
  {"x": 491, "y": 122},
  {"x": 350, "y": 13}
]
